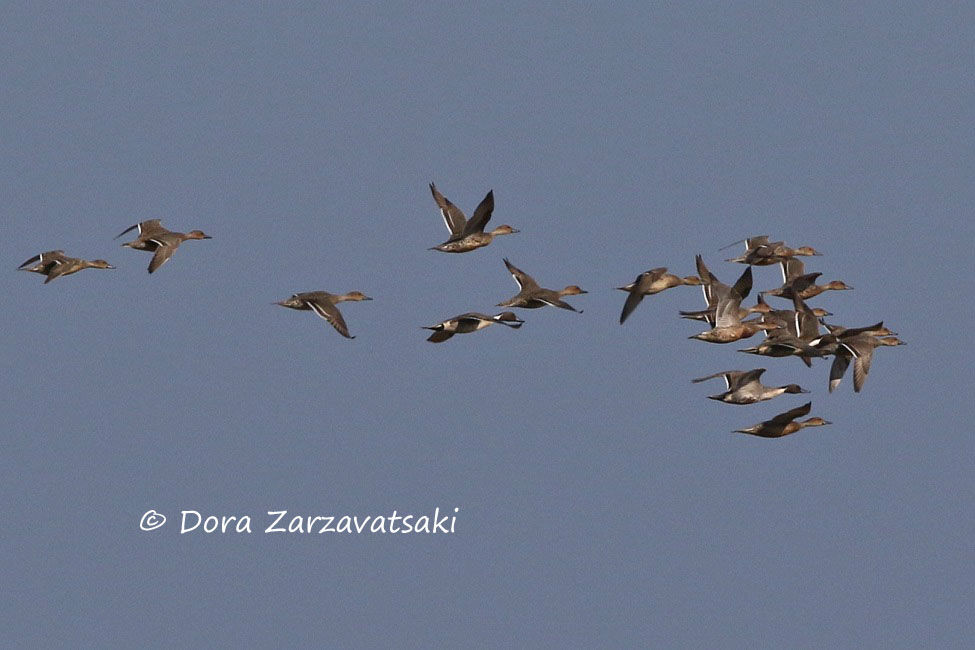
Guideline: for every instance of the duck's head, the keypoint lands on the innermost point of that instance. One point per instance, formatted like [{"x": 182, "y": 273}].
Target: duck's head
[
  {"x": 197, "y": 234},
  {"x": 508, "y": 316},
  {"x": 356, "y": 295},
  {"x": 838, "y": 285},
  {"x": 572, "y": 290},
  {"x": 294, "y": 301},
  {"x": 891, "y": 340},
  {"x": 806, "y": 250},
  {"x": 504, "y": 229},
  {"x": 816, "y": 422},
  {"x": 794, "y": 389},
  {"x": 101, "y": 264}
]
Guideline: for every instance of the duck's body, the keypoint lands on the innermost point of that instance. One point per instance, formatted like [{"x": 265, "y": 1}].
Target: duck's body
[
  {"x": 649, "y": 283},
  {"x": 744, "y": 387},
  {"x": 859, "y": 349},
  {"x": 467, "y": 235},
  {"x": 54, "y": 264},
  {"x": 470, "y": 322},
  {"x": 782, "y": 343},
  {"x": 323, "y": 304},
  {"x": 158, "y": 240},
  {"x": 533, "y": 296},
  {"x": 785, "y": 423}
]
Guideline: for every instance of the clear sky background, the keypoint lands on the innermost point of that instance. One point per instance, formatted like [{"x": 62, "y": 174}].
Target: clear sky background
[{"x": 603, "y": 499}]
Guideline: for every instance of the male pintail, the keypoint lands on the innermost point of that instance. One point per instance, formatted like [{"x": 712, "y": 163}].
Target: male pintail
[
  {"x": 323, "y": 304},
  {"x": 649, "y": 283},
  {"x": 744, "y": 387},
  {"x": 785, "y": 423},
  {"x": 532, "y": 296},
  {"x": 54, "y": 264},
  {"x": 154, "y": 238},
  {"x": 467, "y": 235},
  {"x": 470, "y": 322}
]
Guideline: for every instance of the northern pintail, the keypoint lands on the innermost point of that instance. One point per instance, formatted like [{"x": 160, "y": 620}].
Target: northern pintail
[
  {"x": 54, "y": 264},
  {"x": 467, "y": 235},
  {"x": 796, "y": 282},
  {"x": 782, "y": 343},
  {"x": 785, "y": 423},
  {"x": 532, "y": 296},
  {"x": 323, "y": 304},
  {"x": 828, "y": 343},
  {"x": 154, "y": 238},
  {"x": 744, "y": 387},
  {"x": 726, "y": 301},
  {"x": 858, "y": 348},
  {"x": 649, "y": 283},
  {"x": 759, "y": 251},
  {"x": 470, "y": 322}
]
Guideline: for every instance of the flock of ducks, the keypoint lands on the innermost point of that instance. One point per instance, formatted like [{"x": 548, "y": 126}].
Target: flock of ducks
[{"x": 788, "y": 332}]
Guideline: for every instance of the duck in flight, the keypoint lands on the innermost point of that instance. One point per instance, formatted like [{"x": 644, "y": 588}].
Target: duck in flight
[
  {"x": 744, "y": 387},
  {"x": 323, "y": 304},
  {"x": 649, "y": 283},
  {"x": 785, "y": 423},
  {"x": 54, "y": 264},
  {"x": 158, "y": 240},
  {"x": 532, "y": 296},
  {"x": 470, "y": 322},
  {"x": 467, "y": 235}
]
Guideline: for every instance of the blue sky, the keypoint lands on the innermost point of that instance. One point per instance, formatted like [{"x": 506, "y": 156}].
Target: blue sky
[{"x": 602, "y": 497}]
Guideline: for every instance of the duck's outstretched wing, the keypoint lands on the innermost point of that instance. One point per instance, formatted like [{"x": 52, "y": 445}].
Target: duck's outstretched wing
[
  {"x": 482, "y": 214},
  {"x": 453, "y": 217},
  {"x": 146, "y": 228},
  {"x": 330, "y": 313},
  {"x": 525, "y": 281},
  {"x": 789, "y": 416}
]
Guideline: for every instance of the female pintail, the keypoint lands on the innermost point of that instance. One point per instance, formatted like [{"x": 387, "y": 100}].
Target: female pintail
[
  {"x": 649, "y": 283},
  {"x": 785, "y": 423},
  {"x": 532, "y": 296},
  {"x": 323, "y": 304},
  {"x": 54, "y": 264},
  {"x": 760, "y": 252},
  {"x": 154, "y": 238},
  {"x": 859, "y": 349},
  {"x": 467, "y": 235},
  {"x": 470, "y": 322},
  {"x": 798, "y": 283},
  {"x": 744, "y": 387}
]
